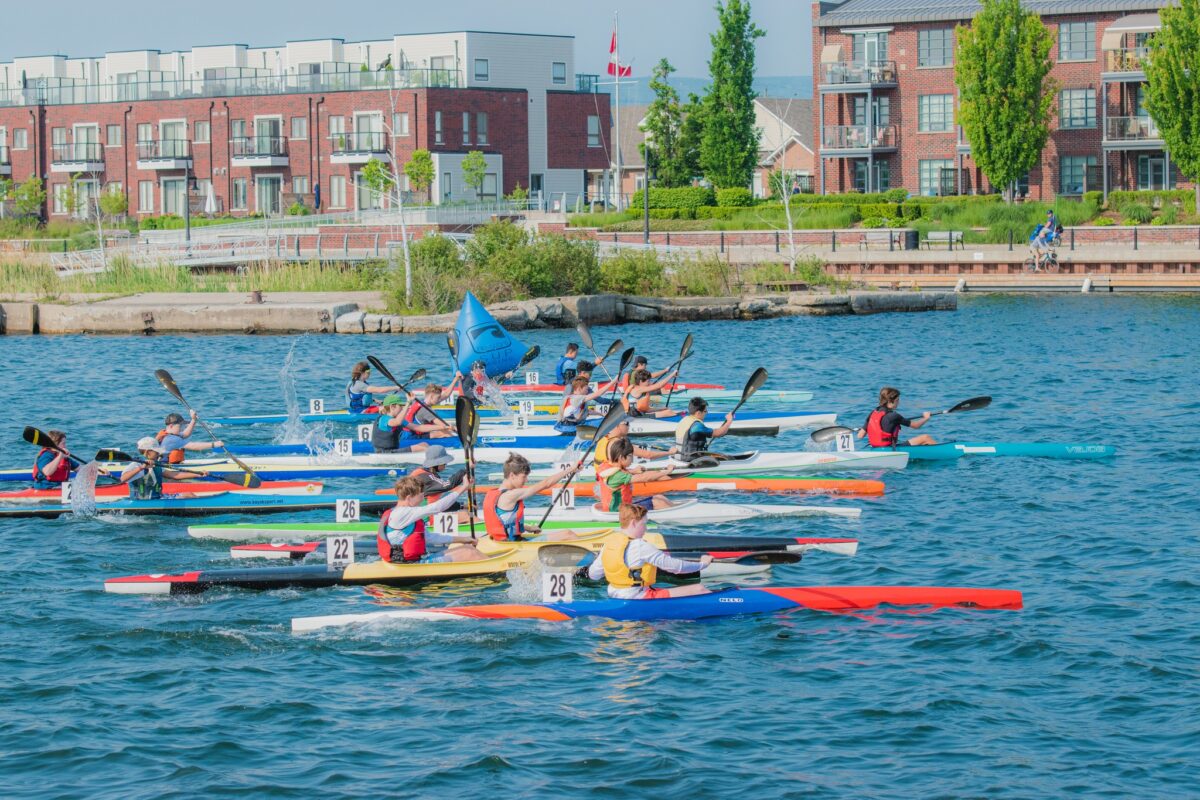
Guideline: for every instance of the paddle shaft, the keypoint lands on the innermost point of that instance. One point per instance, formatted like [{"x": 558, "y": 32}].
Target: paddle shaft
[
  {"x": 683, "y": 352},
  {"x": 169, "y": 384}
]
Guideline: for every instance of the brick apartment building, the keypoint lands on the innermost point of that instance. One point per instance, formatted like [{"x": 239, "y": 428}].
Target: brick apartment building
[
  {"x": 251, "y": 130},
  {"x": 884, "y": 113}
]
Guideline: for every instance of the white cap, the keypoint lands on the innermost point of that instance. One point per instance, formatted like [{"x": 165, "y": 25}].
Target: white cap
[{"x": 150, "y": 443}]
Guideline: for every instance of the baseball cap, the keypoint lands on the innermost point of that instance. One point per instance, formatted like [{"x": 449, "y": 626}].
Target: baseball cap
[
  {"x": 393, "y": 400},
  {"x": 150, "y": 443}
]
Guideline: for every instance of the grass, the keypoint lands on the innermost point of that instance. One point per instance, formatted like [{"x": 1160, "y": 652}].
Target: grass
[{"x": 990, "y": 223}]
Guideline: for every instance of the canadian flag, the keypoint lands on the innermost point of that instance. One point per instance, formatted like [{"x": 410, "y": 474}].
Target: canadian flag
[{"x": 614, "y": 67}]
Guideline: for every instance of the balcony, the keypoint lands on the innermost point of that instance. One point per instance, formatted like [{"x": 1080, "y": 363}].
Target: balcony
[
  {"x": 1125, "y": 64},
  {"x": 848, "y": 76},
  {"x": 360, "y": 147},
  {"x": 164, "y": 155},
  {"x": 587, "y": 82},
  {"x": 1132, "y": 133},
  {"x": 5, "y": 163},
  {"x": 72, "y": 157},
  {"x": 259, "y": 151},
  {"x": 857, "y": 140}
]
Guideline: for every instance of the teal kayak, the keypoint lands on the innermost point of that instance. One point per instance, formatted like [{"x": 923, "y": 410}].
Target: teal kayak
[
  {"x": 948, "y": 451},
  {"x": 226, "y": 503}
]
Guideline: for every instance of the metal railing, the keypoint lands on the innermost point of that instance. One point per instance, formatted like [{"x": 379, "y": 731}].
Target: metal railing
[
  {"x": 1125, "y": 59},
  {"x": 70, "y": 152},
  {"x": 858, "y": 137},
  {"x": 245, "y": 250},
  {"x": 872, "y": 73},
  {"x": 587, "y": 82},
  {"x": 1131, "y": 129},
  {"x": 360, "y": 142},
  {"x": 168, "y": 148},
  {"x": 258, "y": 146}
]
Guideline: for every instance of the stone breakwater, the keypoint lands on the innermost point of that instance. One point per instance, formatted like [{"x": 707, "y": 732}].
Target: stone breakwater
[{"x": 357, "y": 313}]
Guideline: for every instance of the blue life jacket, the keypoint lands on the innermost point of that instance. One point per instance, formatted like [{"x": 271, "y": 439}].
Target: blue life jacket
[
  {"x": 357, "y": 402},
  {"x": 564, "y": 372}
]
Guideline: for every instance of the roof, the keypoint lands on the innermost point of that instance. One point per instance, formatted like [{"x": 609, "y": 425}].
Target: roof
[
  {"x": 796, "y": 113},
  {"x": 885, "y": 12},
  {"x": 630, "y": 136}
]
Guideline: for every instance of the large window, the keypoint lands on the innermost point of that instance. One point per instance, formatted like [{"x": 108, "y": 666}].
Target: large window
[
  {"x": 558, "y": 72},
  {"x": 883, "y": 110},
  {"x": 438, "y": 136},
  {"x": 20, "y": 139},
  {"x": 930, "y": 174},
  {"x": 203, "y": 132},
  {"x": 935, "y": 48},
  {"x": 299, "y": 128},
  {"x": 239, "y": 199},
  {"x": 935, "y": 112},
  {"x": 337, "y": 191},
  {"x": 146, "y": 197},
  {"x": 593, "y": 131},
  {"x": 481, "y": 128},
  {"x": 870, "y": 47},
  {"x": 1072, "y": 174},
  {"x": 300, "y": 184},
  {"x": 145, "y": 132},
  {"x": 466, "y": 127},
  {"x": 1077, "y": 108},
  {"x": 1077, "y": 41},
  {"x": 483, "y": 70},
  {"x": 112, "y": 135},
  {"x": 882, "y": 178},
  {"x": 400, "y": 123},
  {"x": 237, "y": 129}
]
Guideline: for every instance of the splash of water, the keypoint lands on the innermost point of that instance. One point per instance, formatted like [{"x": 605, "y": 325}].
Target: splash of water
[
  {"x": 83, "y": 490},
  {"x": 292, "y": 430}
]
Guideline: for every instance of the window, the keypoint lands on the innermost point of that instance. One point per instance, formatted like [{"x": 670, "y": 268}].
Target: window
[
  {"x": 481, "y": 128},
  {"x": 112, "y": 135},
  {"x": 60, "y": 198},
  {"x": 337, "y": 126},
  {"x": 935, "y": 48},
  {"x": 930, "y": 174},
  {"x": 300, "y": 183},
  {"x": 883, "y": 176},
  {"x": 883, "y": 110},
  {"x": 238, "y": 201},
  {"x": 489, "y": 190},
  {"x": 337, "y": 191},
  {"x": 482, "y": 69},
  {"x": 437, "y": 128},
  {"x": 299, "y": 128},
  {"x": 1072, "y": 176},
  {"x": 1139, "y": 99},
  {"x": 447, "y": 187},
  {"x": 558, "y": 72},
  {"x": 593, "y": 131},
  {"x": 146, "y": 197},
  {"x": 466, "y": 127},
  {"x": 20, "y": 139},
  {"x": 870, "y": 48},
  {"x": 400, "y": 123},
  {"x": 114, "y": 187},
  {"x": 145, "y": 132},
  {"x": 935, "y": 112},
  {"x": 202, "y": 132},
  {"x": 237, "y": 129},
  {"x": 1077, "y": 108},
  {"x": 203, "y": 189},
  {"x": 1077, "y": 41}
]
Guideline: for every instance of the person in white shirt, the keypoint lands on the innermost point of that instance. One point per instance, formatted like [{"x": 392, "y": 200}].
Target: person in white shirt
[{"x": 630, "y": 564}]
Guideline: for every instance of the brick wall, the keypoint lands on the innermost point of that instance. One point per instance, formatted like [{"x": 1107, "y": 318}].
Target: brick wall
[
  {"x": 566, "y": 119},
  {"x": 508, "y": 126}
]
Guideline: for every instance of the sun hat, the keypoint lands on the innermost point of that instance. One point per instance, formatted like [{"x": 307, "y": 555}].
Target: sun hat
[
  {"x": 150, "y": 443},
  {"x": 436, "y": 456},
  {"x": 392, "y": 400}
]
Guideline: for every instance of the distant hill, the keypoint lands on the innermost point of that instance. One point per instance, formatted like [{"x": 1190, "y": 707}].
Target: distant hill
[{"x": 638, "y": 92}]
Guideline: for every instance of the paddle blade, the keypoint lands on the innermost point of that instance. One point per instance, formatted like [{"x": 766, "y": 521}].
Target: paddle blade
[
  {"x": 168, "y": 383},
  {"x": 452, "y": 343},
  {"x": 382, "y": 370},
  {"x": 626, "y": 360},
  {"x": 753, "y": 385},
  {"x": 529, "y": 356},
  {"x": 463, "y": 412},
  {"x": 614, "y": 417},
  {"x": 612, "y": 348},
  {"x": 687, "y": 347},
  {"x": 585, "y": 336},
  {"x": 34, "y": 436},
  {"x": 824, "y": 435},
  {"x": 419, "y": 375},
  {"x": 563, "y": 556},
  {"x": 974, "y": 404},
  {"x": 114, "y": 455}
]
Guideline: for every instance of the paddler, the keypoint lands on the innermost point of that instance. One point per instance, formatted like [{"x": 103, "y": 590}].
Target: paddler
[
  {"x": 477, "y": 386},
  {"x": 175, "y": 438},
  {"x": 404, "y": 536},
  {"x": 691, "y": 434},
  {"x": 432, "y": 475},
  {"x": 621, "y": 431},
  {"x": 630, "y": 564},
  {"x": 504, "y": 505},
  {"x": 636, "y": 399},
  {"x": 146, "y": 480},
  {"x": 615, "y": 479},
  {"x": 386, "y": 431},
  {"x": 641, "y": 362},
  {"x": 422, "y": 423},
  {"x": 359, "y": 390},
  {"x": 575, "y": 406},
  {"x": 882, "y": 428},
  {"x": 564, "y": 371},
  {"x": 51, "y": 468}
]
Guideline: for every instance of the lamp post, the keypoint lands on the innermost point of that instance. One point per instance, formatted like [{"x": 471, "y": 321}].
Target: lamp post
[{"x": 646, "y": 197}]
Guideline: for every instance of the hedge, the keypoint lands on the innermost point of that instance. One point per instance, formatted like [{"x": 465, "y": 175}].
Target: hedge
[
  {"x": 684, "y": 197},
  {"x": 735, "y": 198},
  {"x": 1119, "y": 200}
]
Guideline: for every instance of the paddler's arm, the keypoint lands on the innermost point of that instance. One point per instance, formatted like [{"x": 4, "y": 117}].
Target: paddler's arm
[
  {"x": 724, "y": 429},
  {"x": 602, "y": 390},
  {"x": 641, "y": 549},
  {"x": 596, "y": 569},
  {"x": 180, "y": 474},
  {"x": 648, "y": 477},
  {"x": 654, "y": 387},
  {"x": 651, "y": 454},
  {"x": 916, "y": 423},
  {"x": 545, "y": 483},
  {"x": 131, "y": 472}
]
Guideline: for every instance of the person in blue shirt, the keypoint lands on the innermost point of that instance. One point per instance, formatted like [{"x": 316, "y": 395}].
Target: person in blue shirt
[
  {"x": 692, "y": 436},
  {"x": 175, "y": 438},
  {"x": 564, "y": 372},
  {"x": 51, "y": 469},
  {"x": 359, "y": 389}
]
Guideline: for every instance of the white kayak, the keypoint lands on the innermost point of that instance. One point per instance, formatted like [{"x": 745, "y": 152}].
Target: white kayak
[
  {"x": 758, "y": 462},
  {"x": 694, "y": 512},
  {"x": 747, "y": 422},
  {"x": 272, "y": 464}
]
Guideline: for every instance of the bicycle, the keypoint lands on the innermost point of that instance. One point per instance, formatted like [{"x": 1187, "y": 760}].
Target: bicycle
[{"x": 1038, "y": 262}]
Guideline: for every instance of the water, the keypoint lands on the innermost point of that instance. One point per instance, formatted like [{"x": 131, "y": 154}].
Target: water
[{"x": 1090, "y": 691}]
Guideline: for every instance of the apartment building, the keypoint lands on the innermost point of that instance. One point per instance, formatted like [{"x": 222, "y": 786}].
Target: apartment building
[
  {"x": 886, "y": 99},
  {"x": 245, "y": 130}
]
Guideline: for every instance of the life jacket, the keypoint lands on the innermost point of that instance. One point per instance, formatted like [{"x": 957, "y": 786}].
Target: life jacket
[
  {"x": 173, "y": 456},
  {"x": 600, "y": 454},
  {"x": 616, "y": 569},
  {"x": 876, "y": 436},
  {"x": 607, "y": 501},
  {"x": 564, "y": 371},
  {"x": 411, "y": 549},
  {"x": 147, "y": 484},
  {"x": 690, "y": 443},
  {"x": 635, "y": 408},
  {"x": 357, "y": 402},
  {"x": 568, "y": 422},
  {"x": 385, "y": 438},
  {"x": 497, "y": 527},
  {"x": 410, "y": 422},
  {"x": 61, "y": 474}
]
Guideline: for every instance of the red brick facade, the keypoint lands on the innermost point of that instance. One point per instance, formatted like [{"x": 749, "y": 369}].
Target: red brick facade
[{"x": 568, "y": 143}]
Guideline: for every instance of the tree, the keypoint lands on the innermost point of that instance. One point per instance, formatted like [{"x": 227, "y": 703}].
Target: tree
[
  {"x": 113, "y": 202},
  {"x": 1173, "y": 86},
  {"x": 384, "y": 180},
  {"x": 782, "y": 181},
  {"x": 674, "y": 166},
  {"x": 29, "y": 198},
  {"x": 1006, "y": 94},
  {"x": 474, "y": 168},
  {"x": 72, "y": 197},
  {"x": 729, "y": 146},
  {"x": 419, "y": 170},
  {"x": 6, "y": 187}
]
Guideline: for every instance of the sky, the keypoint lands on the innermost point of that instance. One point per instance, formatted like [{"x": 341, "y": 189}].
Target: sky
[{"x": 650, "y": 29}]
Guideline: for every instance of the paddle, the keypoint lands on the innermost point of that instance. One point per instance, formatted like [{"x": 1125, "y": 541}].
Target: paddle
[
  {"x": 585, "y": 336},
  {"x": 40, "y": 439},
  {"x": 252, "y": 480},
  {"x": 683, "y": 353},
  {"x": 227, "y": 477},
  {"x": 611, "y": 420},
  {"x": 626, "y": 358},
  {"x": 753, "y": 385},
  {"x": 467, "y": 423},
  {"x": 529, "y": 356},
  {"x": 823, "y": 435},
  {"x": 385, "y": 372}
]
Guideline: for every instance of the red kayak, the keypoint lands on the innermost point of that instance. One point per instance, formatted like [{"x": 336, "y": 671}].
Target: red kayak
[
  {"x": 109, "y": 493},
  {"x": 547, "y": 388}
]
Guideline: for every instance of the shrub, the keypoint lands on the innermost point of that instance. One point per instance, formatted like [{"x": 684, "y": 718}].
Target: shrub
[
  {"x": 874, "y": 222},
  {"x": 1095, "y": 198},
  {"x": 703, "y": 276},
  {"x": 493, "y": 239},
  {"x": 1168, "y": 216},
  {"x": 1137, "y": 213},
  {"x": 896, "y": 195},
  {"x": 682, "y": 197},
  {"x": 716, "y": 212},
  {"x": 879, "y": 210},
  {"x": 911, "y": 211},
  {"x": 438, "y": 273},
  {"x": 1119, "y": 200},
  {"x": 1158, "y": 221},
  {"x": 1102, "y": 221},
  {"x": 298, "y": 210},
  {"x": 637, "y": 272},
  {"x": 735, "y": 197}
]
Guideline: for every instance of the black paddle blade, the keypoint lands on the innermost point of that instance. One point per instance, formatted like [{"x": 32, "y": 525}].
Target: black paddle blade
[
  {"x": 382, "y": 370},
  {"x": 974, "y": 404},
  {"x": 612, "y": 348},
  {"x": 529, "y": 356},
  {"x": 687, "y": 347},
  {"x": 626, "y": 360},
  {"x": 463, "y": 412},
  {"x": 585, "y": 335},
  {"x": 34, "y": 436},
  {"x": 823, "y": 435},
  {"x": 114, "y": 455},
  {"x": 168, "y": 383},
  {"x": 419, "y": 375},
  {"x": 614, "y": 417},
  {"x": 753, "y": 385},
  {"x": 452, "y": 343}
]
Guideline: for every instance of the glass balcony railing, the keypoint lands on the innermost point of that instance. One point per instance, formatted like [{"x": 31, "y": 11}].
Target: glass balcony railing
[
  {"x": 858, "y": 137},
  {"x": 587, "y": 82},
  {"x": 1131, "y": 129},
  {"x": 168, "y": 148},
  {"x": 70, "y": 152},
  {"x": 360, "y": 142},
  {"x": 258, "y": 146},
  {"x": 1125, "y": 59},
  {"x": 872, "y": 73}
]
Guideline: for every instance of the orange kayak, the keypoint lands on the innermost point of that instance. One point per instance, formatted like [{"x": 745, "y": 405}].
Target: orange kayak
[{"x": 728, "y": 483}]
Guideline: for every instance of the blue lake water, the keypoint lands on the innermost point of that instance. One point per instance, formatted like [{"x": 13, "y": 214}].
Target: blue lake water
[{"x": 1091, "y": 691}]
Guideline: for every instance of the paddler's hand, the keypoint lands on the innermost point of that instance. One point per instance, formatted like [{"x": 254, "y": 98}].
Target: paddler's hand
[
  {"x": 218, "y": 443},
  {"x": 925, "y": 417},
  {"x": 729, "y": 417},
  {"x": 706, "y": 559},
  {"x": 462, "y": 487},
  {"x": 674, "y": 449}
]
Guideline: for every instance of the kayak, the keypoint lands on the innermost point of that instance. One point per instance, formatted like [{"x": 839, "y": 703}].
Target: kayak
[
  {"x": 694, "y": 512},
  {"x": 728, "y": 603},
  {"x": 117, "y": 491},
  {"x": 947, "y": 451},
  {"x": 722, "y": 482},
  {"x": 524, "y": 439},
  {"x": 275, "y": 472},
  {"x": 757, "y": 462},
  {"x": 275, "y": 531},
  {"x": 558, "y": 388},
  {"x": 477, "y": 336},
  {"x": 227, "y": 503}
]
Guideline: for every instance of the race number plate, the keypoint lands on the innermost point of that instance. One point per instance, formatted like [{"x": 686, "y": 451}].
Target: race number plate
[{"x": 347, "y": 510}]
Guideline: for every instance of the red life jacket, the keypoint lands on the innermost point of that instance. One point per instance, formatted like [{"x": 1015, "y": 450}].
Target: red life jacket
[
  {"x": 174, "y": 456},
  {"x": 410, "y": 421},
  {"x": 496, "y": 527},
  {"x": 606, "y": 470},
  {"x": 876, "y": 436},
  {"x": 411, "y": 549},
  {"x": 61, "y": 474}
]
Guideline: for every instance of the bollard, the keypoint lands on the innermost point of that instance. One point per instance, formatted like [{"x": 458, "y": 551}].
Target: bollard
[
  {"x": 1010, "y": 239},
  {"x": 1135, "y": 237},
  {"x": 668, "y": 238},
  {"x": 377, "y": 245},
  {"x": 776, "y": 241},
  {"x": 833, "y": 239},
  {"x": 318, "y": 246},
  {"x": 1072, "y": 238},
  {"x": 346, "y": 246},
  {"x": 297, "y": 246},
  {"x": 722, "y": 241},
  {"x": 950, "y": 240}
]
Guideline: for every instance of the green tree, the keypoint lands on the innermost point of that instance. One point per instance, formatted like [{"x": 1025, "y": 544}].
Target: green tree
[
  {"x": 6, "y": 187},
  {"x": 729, "y": 145},
  {"x": 29, "y": 198},
  {"x": 378, "y": 176},
  {"x": 673, "y": 165},
  {"x": 1006, "y": 94},
  {"x": 419, "y": 170},
  {"x": 474, "y": 168},
  {"x": 113, "y": 202},
  {"x": 1173, "y": 85}
]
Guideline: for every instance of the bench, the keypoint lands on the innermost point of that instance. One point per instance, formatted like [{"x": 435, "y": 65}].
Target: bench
[
  {"x": 947, "y": 238},
  {"x": 782, "y": 286},
  {"x": 889, "y": 239}
]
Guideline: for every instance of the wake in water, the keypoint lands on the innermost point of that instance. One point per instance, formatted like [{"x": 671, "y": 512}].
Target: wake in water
[{"x": 83, "y": 490}]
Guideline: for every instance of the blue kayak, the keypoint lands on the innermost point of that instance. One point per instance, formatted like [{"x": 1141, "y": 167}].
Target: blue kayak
[
  {"x": 228, "y": 503},
  {"x": 948, "y": 451},
  {"x": 339, "y": 417},
  {"x": 477, "y": 336},
  {"x": 558, "y": 441}
]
